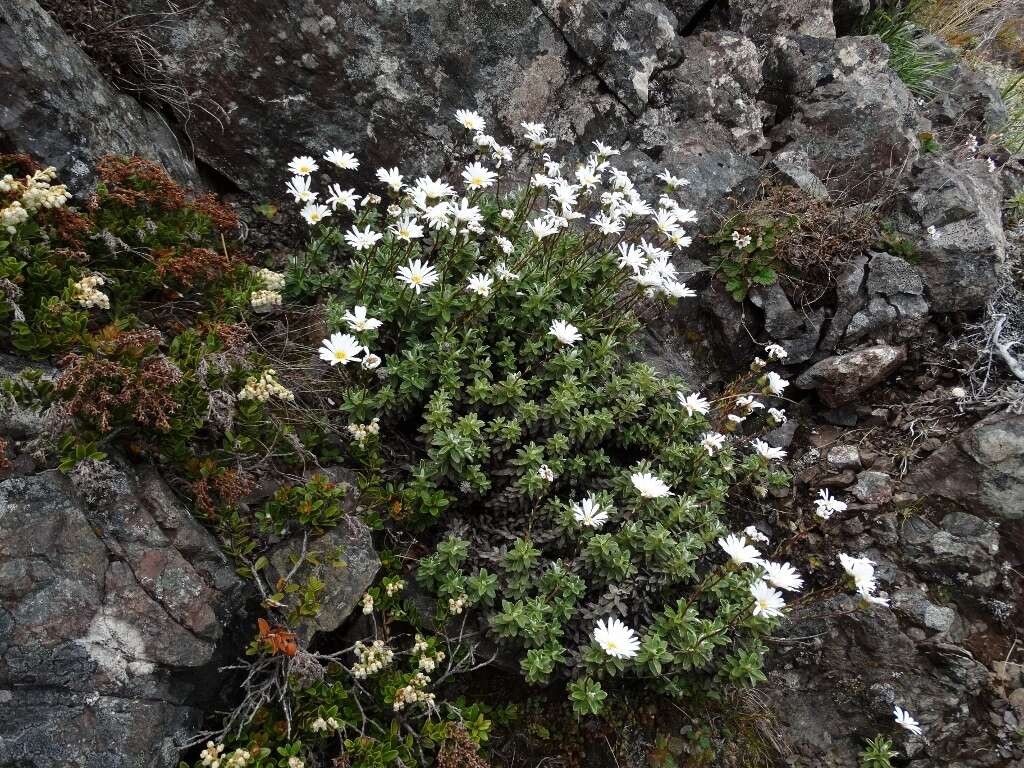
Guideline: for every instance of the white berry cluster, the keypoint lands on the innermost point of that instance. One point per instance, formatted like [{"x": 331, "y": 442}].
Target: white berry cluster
[
  {"x": 265, "y": 301},
  {"x": 367, "y": 603},
  {"x": 413, "y": 693},
  {"x": 87, "y": 293},
  {"x": 272, "y": 281},
  {"x": 457, "y": 604},
  {"x": 371, "y": 658},
  {"x": 265, "y": 386},
  {"x": 361, "y": 432},
  {"x": 36, "y": 192},
  {"x": 213, "y": 757}
]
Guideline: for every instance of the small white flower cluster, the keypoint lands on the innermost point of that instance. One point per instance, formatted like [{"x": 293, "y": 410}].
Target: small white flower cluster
[
  {"x": 413, "y": 693},
  {"x": 362, "y": 432},
  {"x": 545, "y": 473},
  {"x": 13, "y": 215},
  {"x": 272, "y": 281},
  {"x": 826, "y": 504},
  {"x": 392, "y": 588},
  {"x": 36, "y": 192},
  {"x": 265, "y": 386},
  {"x": 265, "y": 301},
  {"x": 213, "y": 757},
  {"x": 862, "y": 571},
  {"x": 371, "y": 659},
  {"x": 367, "y": 603},
  {"x": 741, "y": 241},
  {"x": 768, "y": 601},
  {"x": 428, "y": 662},
  {"x": 457, "y": 604},
  {"x": 87, "y": 293},
  {"x": 321, "y": 725}
]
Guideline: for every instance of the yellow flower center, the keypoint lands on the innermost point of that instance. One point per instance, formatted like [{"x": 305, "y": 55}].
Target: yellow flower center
[
  {"x": 340, "y": 354},
  {"x": 417, "y": 279}
]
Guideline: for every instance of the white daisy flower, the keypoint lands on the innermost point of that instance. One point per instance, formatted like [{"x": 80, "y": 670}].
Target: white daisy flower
[
  {"x": 768, "y": 602},
  {"x": 358, "y": 321},
  {"x": 738, "y": 550},
  {"x": 904, "y": 720},
  {"x": 650, "y": 486},
  {"x": 616, "y": 639},
  {"x": 341, "y": 348},
  {"x": 302, "y": 166},
  {"x": 344, "y": 160},
  {"x": 589, "y": 513},
  {"x": 418, "y": 274},
  {"x": 693, "y": 403},
  {"x": 565, "y": 333}
]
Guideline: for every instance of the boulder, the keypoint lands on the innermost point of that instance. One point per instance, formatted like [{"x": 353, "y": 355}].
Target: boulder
[
  {"x": 343, "y": 559},
  {"x": 113, "y": 602},
  {"x": 981, "y": 469},
  {"x": 796, "y": 332},
  {"x": 761, "y": 19},
  {"x": 841, "y": 378},
  {"x": 838, "y": 679},
  {"x": 58, "y": 106},
  {"x": 858, "y": 129},
  {"x": 301, "y": 78},
  {"x": 961, "y": 258},
  {"x": 895, "y": 308},
  {"x": 621, "y": 43}
]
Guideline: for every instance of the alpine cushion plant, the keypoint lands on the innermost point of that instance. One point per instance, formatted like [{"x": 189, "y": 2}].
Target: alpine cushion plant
[{"x": 582, "y": 493}]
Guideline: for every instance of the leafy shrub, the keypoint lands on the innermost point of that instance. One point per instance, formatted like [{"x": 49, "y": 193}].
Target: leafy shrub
[{"x": 493, "y": 346}]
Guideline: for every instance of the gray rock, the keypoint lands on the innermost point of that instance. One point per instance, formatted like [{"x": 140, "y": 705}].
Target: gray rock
[
  {"x": 840, "y": 457},
  {"x": 797, "y": 332},
  {"x": 896, "y": 309},
  {"x": 716, "y": 86},
  {"x": 841, "y": 378},
  {"x": 870, "y": 663},
  {"x": 926, "y": 614},
  {"x": 622, "y": 43},
  {"x": 58, "y": 106},
  {"x": 761, "y": 19},
  {"x": 794, "y": 166},
  {"x": 961, "y": 264},
  {"x": 849, "y": 300},
  {"x": 982, "y": 468},
  {"x": 108, "y": 613},
  {"x": 859, "y": 128},
  {"x": 872, "y": 487},
  {"x": 385, "y": 85},
  {"x": 346, "y": 563}
]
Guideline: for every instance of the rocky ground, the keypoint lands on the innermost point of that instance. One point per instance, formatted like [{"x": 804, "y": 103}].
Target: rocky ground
[{"x": 116, "y": 607}]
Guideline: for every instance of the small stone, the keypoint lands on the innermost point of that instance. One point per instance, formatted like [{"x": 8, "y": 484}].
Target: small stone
[
  {"x": 873, "y": 488},
  {"x": 842, "y": 457},
  {"x": 1016, "y": 699}
]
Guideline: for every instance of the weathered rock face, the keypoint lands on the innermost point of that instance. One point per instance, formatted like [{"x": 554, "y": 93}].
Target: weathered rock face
[
  {"x": 57, "y": 106},
  {"x": 385, "y": 81},
  {"x": 621, "y": 43},
  {"x": 981, "y": 469},
  {"x": 961, "y": 261},
  {"x": 861, "y": 652},
  {"x": 112, "y": 598},
  {"x": 857, "y": 128}
]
